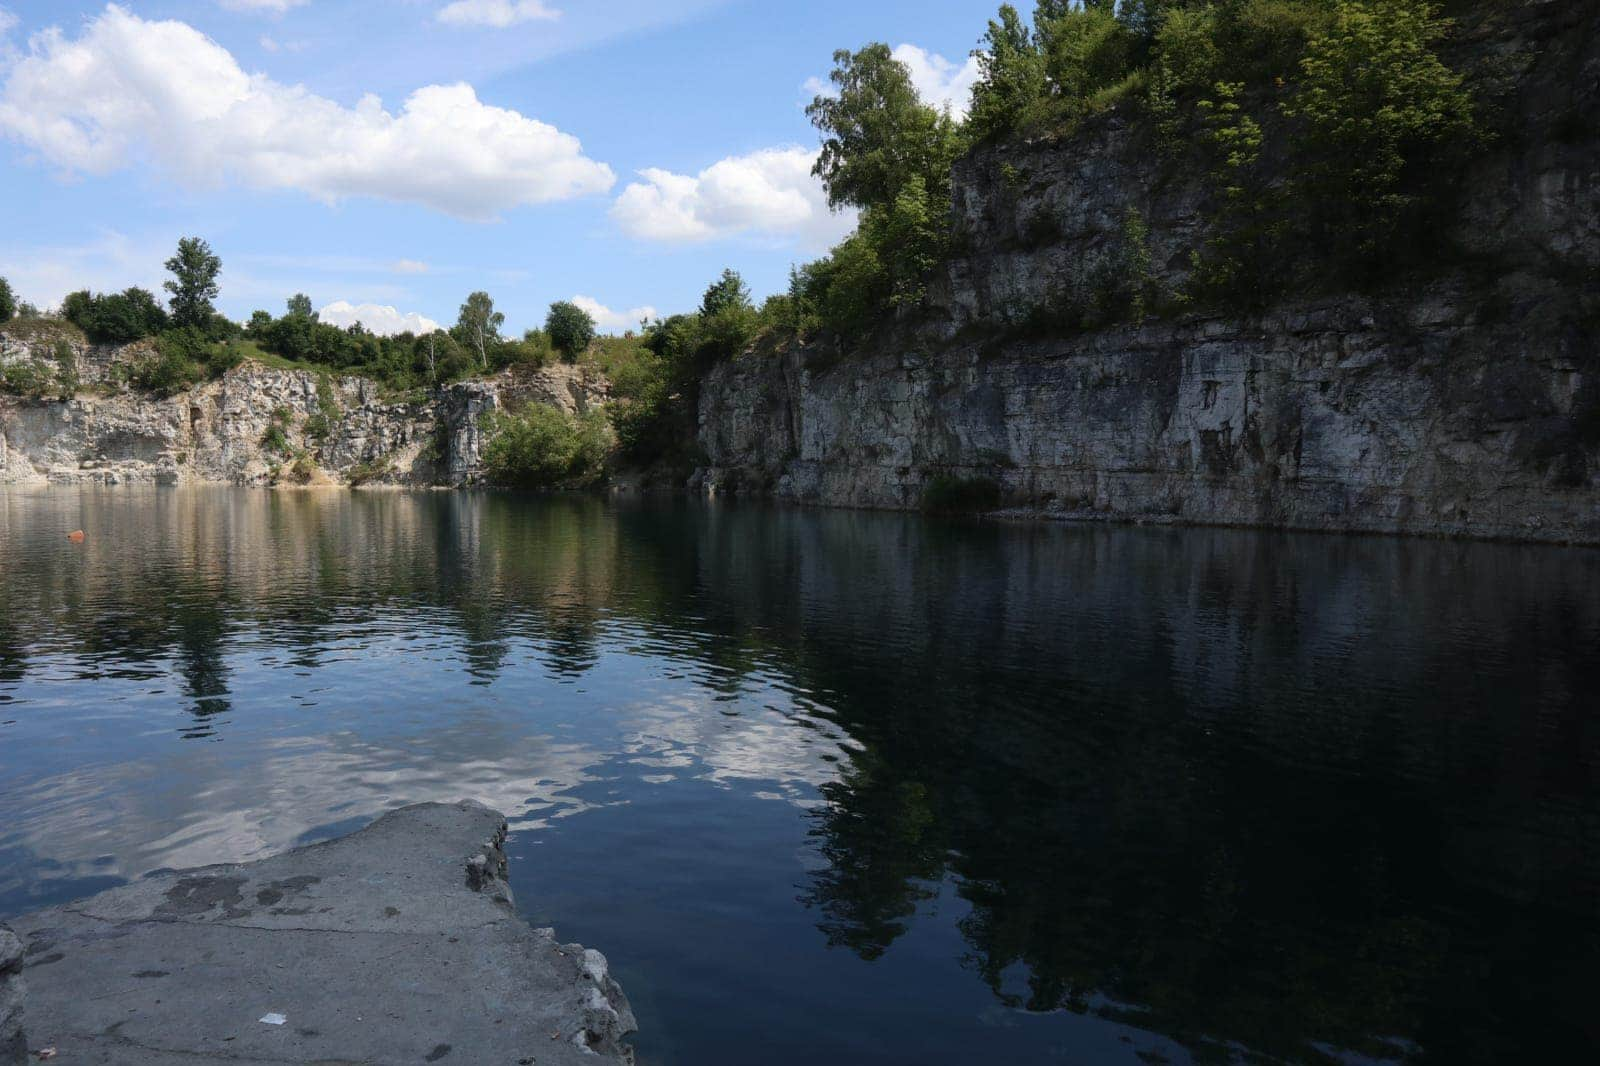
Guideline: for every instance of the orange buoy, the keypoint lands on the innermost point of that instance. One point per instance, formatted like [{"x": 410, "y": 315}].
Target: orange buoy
[{"x": 76, "y": 536}]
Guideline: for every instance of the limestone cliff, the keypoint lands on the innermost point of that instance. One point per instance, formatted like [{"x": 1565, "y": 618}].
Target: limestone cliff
[
  {"x": 1468, "y": 403},
  {"x": 248, "y": 427}
]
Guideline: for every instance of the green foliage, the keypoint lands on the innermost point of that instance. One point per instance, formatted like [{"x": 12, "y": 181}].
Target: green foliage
[
  {"x": 726, "y": 293},
  {"x": 878, "y": 134},
  {"x": 1011, "y": 78},
  {"x": 1086, "y": 49},
  {"x": 370, "y": 470},
  {"x": 8, "y": 302},
  {"x": 66, "y": 373},
  {"x": 1383, "y": 120},
  {"x": 544, "y": 447},
  {"x": 478, "y": 326},
  {"x": 183, "y": 358},
  {"x": 194, "y": 283},
  {"x": 946, "y": 494},
  {"x": 32, "y": 379},
  {"x": 319, "y": 424},
  {"x": 115, "y": 318},
  {"x": 570, "y": 329}
]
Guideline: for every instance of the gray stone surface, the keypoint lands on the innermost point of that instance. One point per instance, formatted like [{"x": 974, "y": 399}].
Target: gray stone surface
[
  {"x": 13, "y": 1046},
  {"x": 396, "y": 944}
]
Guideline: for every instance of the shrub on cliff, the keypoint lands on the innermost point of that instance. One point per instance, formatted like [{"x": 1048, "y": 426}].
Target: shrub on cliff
[
  {"x": 8, "y": 302},
  {"x": 544, "y": 447},
  {"x": 115, "y": 318}
]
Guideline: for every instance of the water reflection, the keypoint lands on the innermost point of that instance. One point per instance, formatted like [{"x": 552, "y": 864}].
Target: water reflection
[{"x": 1320, "y": 798}]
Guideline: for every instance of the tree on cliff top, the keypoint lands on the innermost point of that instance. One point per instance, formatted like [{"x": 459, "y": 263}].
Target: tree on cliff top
[
  {"x": 570, "y": 329},
  {"x": 479, "y": 325},
  {"x": 726, "y": 293},
  {"x": 300, "y": 304},
  {"x": 8, "y": 301},
  {"x": 877, "y": 132},
  {"x": 194, "y": 283}
]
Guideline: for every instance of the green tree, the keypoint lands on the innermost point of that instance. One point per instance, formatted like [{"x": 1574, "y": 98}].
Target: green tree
[
  {"x": 1380, "y": 115},
  {"x": 1010, "y": 79},
  {"x": 570, "y": 329},
  {"x": 8, "y": 301},
  {"x": 478, "y": 325},
  {"x": 726, "y": 293},
  {"x": 877, "y": 133},
  {"x": 194, "y": 283},
  {"x": 300, "y": 304}
]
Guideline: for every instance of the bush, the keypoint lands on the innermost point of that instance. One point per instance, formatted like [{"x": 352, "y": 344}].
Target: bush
[
  {"x": 544, "y": 447},
  {"x": 948, "y": 495},
  {"x": 370, "y": 470},
  {"x": 8, "y": 302},
  {"x": 32, "y": 379},
  {"x": 115, "y": 318}
]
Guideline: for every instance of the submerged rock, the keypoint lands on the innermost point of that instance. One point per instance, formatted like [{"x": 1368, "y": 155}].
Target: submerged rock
[{"x": 396, "y": 944}]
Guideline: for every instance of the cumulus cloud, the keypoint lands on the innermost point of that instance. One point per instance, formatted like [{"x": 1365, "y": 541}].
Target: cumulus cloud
[
  {"x": 128, "y": 89},
  {"x": 938, "y": 81},
  {"x": 271, "y": 7},
  {"x": 496, "y": 13},
  {"x": 610, "y": 321},
  {"x": 379, "y": 318},
  {"x": 765, "y": 193}
]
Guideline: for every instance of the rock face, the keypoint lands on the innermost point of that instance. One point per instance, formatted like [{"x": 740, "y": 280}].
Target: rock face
[
  {"x": 13, "y": 1044},
  {"x": 223, "y": 431},
  {"x": 396, "y": 944},
  {"x": 1469, "y": 405}
]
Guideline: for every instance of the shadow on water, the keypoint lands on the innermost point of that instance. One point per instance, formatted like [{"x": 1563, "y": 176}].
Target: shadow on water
[{"x": 1286, "y": 797}]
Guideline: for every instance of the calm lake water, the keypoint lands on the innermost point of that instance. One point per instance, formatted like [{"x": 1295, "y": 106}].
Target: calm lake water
[{"x": 847, "y": 787}]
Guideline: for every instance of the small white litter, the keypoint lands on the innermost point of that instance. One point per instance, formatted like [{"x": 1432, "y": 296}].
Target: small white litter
[{"x": 273, "y": 1019}]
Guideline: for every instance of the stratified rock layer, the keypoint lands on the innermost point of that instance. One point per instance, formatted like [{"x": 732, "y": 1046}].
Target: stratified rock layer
[
  {"x": 395, "y": 944},
  {"x": 1469, "y": 405}
]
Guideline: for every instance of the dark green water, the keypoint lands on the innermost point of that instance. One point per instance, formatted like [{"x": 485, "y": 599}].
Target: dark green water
[{"x": 844, "y": 787}]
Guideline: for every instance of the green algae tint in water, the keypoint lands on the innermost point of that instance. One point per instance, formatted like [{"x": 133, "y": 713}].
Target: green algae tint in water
[{"x": 844, "y": 787}]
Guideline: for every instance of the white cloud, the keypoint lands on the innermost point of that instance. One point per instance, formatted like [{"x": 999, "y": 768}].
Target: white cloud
[
  {"x": 768, "y": 193},
  {"x": 938, "y": 81},
  {"x": 610, "y": 321},
  {"x": 271, "y": 7},
  {"x": 409, "y": 266},
  {"x": 8, "y": 22},
  {"x": 129, "y": 89},
  {"x": 379, "y": 318},
  {"x": 496, "y": 13}
]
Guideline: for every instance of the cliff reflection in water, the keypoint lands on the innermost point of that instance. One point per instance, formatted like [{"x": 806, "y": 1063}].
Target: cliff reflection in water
[{"x": 1289, "y": 793}]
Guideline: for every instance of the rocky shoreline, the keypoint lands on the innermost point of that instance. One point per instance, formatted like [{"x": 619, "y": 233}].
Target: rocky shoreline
[{"x": 398, "y": 943}]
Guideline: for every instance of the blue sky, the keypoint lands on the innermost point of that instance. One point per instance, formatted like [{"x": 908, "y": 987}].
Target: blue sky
[{"x": 404, "y": 153}]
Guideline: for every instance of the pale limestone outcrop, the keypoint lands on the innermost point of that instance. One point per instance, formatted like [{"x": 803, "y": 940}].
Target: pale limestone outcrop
[{"x": 222, "y": 431}]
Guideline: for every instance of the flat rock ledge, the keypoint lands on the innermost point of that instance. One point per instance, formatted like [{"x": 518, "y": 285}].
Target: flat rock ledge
[{"x": 396, "y": 944}]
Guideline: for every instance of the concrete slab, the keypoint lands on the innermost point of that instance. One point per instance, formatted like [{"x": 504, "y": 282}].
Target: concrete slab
[{"x": 396, "y": 944}]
